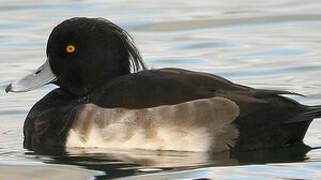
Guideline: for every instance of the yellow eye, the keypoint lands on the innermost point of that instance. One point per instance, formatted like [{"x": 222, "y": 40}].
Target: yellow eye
[{"x": 70, "y": 49}]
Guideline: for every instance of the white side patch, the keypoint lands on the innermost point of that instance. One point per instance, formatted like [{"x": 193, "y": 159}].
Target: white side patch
[
  {"x": 167, "y": 139},
  {"x": 198, "y": 125}
]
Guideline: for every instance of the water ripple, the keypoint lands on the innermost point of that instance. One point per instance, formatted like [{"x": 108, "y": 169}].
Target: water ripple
[
  {"x": 267, "y": 44},
  {"x": 231, "y": 23}
]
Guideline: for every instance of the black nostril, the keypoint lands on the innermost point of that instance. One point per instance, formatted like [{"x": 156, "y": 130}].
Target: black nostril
[{"x": 37, "y": 72}]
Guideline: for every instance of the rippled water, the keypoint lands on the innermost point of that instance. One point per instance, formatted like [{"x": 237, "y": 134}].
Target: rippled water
[{"x": 263, "y": 44}]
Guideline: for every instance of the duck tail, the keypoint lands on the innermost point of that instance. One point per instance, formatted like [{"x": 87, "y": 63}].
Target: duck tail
[
  {"x": 298, "y": 125},
  {"x": 314, "y": 111},
  {"x": 308, "y": 114}
]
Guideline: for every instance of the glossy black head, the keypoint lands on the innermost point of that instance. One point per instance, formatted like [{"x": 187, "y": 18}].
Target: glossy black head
[{"x": 85, "y": 53}]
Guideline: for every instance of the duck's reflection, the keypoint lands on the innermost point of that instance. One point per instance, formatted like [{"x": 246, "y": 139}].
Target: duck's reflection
[{"x": 120, "y": 163}]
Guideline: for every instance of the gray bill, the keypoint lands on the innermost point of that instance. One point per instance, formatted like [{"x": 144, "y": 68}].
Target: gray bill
[{"x": 42, "y": 76}]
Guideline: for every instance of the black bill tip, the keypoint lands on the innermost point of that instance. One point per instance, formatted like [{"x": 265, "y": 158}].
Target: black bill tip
[{"x": 8, "y": 88}]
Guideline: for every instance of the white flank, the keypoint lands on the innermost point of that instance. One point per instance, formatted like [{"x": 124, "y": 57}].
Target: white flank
[{"x": 198, "y": 125}]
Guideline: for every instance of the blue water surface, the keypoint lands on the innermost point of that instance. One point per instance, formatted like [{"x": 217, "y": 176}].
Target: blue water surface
[{"x": 264, "y": 44}]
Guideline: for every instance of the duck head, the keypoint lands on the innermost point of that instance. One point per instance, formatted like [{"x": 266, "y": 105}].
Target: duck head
[{"x": 82, "y": 54}]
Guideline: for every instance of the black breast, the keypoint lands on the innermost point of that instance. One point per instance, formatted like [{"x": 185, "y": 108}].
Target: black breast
[{"x": 49, "y": 120}]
